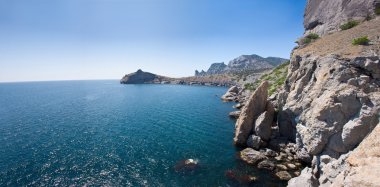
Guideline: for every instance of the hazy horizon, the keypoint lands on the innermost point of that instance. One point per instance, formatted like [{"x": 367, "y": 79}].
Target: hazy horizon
[{"x": 84, "y": 40}]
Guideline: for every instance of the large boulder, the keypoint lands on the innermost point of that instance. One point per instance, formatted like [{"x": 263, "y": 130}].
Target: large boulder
[
  {"x": 306, "y": 179},
  {"x": 231, "y": 94},
  {"x": 252, "y": 156},
  {"x": 255, "y": 105},
  {"x": 263, "y": 124}
]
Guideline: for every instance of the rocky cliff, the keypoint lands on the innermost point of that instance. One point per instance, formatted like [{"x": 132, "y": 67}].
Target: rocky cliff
[
  {"x": 326, "y": 16},
  {"x": 243, "y": 63},
  {"x": 329, "y": 105},
  {"x": 331, "y": 98}
]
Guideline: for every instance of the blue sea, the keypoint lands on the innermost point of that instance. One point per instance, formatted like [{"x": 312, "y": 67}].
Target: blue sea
[{"x": 102, "y": 133}]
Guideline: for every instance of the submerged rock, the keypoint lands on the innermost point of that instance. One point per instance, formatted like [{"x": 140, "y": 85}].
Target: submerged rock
[
  {"x": 242, "y": 179},
  {"x": 186, "y": 165}
]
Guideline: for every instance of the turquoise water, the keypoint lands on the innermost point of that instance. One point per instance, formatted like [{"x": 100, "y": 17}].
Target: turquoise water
[{"x": 101, "y": 133}]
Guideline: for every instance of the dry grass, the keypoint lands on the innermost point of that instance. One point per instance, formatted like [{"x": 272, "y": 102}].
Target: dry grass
[{"x": 340, "y": 43}]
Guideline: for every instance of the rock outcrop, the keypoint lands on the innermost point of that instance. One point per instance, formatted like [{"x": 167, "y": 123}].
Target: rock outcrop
[
  {"x": 140, "y": 77},
  {"x": 231, "y": 94},
  {"x": 330, "y": 104},
  {"x": 326, "y": 16},
  {"x": 255, "y": 105}
]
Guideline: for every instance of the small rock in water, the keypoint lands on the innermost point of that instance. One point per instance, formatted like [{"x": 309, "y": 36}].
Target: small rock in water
[
  {"x": 291, "y": 166},
  {"x": 283, "y": 175},
  {"x": 234, "y": 114},
  {"x": 186, "y": 165}
]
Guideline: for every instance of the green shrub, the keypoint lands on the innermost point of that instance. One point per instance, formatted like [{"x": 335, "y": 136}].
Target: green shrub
[
  {"x": 361, "y": 41},
  {"x": 349, "y": 25},
  {"x": 312, "y": 36},
  {"x": 308, "y": 39},
  {"x": 377, "y": 11},
  {"x": 249, "y": 86}
]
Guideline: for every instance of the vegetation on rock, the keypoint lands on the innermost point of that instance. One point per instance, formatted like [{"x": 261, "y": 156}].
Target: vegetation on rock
[
  {"x": 377, "y": 11},
  {"x": 349, "y": 25},
  {"x": 361, "y": 41},
  {"x": 308, "y": 39},
  {"x": 276, "y": 79}
]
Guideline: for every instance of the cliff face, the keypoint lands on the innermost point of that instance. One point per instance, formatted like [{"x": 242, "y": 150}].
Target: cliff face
[
  {"x": 243, "y": 63},
  {"x": 325, "y": 16},
  {"x": 331, "y": 98}
]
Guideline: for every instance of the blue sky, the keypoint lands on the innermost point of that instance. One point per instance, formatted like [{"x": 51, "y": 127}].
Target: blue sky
[{"x": 105, "y": 39}]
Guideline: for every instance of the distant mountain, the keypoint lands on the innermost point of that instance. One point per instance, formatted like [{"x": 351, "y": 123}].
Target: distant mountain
[{"x": 243, "y": 63}]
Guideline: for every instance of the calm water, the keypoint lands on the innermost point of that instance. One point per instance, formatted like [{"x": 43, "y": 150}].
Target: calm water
[{"x": 101, "y": 133}]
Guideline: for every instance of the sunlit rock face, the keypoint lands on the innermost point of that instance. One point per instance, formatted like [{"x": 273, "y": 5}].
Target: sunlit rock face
[{"x": 326, "y": 16}]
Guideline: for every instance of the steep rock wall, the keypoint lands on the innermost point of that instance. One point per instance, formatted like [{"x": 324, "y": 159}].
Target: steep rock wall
[{"x": 325, "y": 16}]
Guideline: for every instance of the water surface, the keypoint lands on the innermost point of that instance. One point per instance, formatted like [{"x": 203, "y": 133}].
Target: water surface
[{"x": 102, "y": 133}]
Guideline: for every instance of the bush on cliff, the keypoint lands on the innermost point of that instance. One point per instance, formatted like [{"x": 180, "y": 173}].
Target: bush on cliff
[
  {"x": 377, "y": 11},
  {"x": 349, "y": 25},
  {"x": 308, "y": 39},
  {"x": 276, "y": 79},
  {"x": 361, "y": 41}
]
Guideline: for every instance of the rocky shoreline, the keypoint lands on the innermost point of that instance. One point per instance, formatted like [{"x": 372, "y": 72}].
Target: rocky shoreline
[{"x": 325, "y": 118}]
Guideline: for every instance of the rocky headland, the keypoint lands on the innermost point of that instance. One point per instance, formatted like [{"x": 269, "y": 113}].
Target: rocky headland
[
  {"x": 323, "y": 115},
  {"x": 248, "y": 66}
]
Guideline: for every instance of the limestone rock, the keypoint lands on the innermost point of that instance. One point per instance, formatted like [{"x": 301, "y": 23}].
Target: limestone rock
[
  {"x": 231, "y": 94},
  {"x": 251, "y": 156},
  {"x": 263, "y": 124},
  {"x": 234, "y": 114},
  {"x": 306, "y": 179},
  {"x": 266, "y": 164},
  {"x": 254, "y": 142},
  {"x": 325, "y": 16},
  {"x": 255, "y": 105},
  {"x": 283, "y": 175}
]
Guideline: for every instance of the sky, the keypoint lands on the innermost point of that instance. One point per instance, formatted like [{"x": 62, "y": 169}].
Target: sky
[{"x": 105, "y": 39}]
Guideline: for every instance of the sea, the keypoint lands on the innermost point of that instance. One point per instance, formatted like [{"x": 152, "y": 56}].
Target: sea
[{"x": 102, "y": 133}]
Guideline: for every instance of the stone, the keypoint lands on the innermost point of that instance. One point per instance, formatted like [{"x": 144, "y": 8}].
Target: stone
[
  {"x": 263, "y": 124},
  {"x": 254, "y": 142},
  {"x": 234, "y": 114},
  {"x": 283, "y": 175},
  {"x": 238, "y": 106},
  {"x": 357, "y": 129},
  {"x": 252, "y": 156},
  {"x": 270, "y": 153},
  {"x": 266, "y": 164},
  {"x": 255, "y": 105},
  {"x": 281, "y": 167},
  {"x": 303, "y": 155},
  {"x": 305, "y": 179},
  {"x": 291, "y": 166}
]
